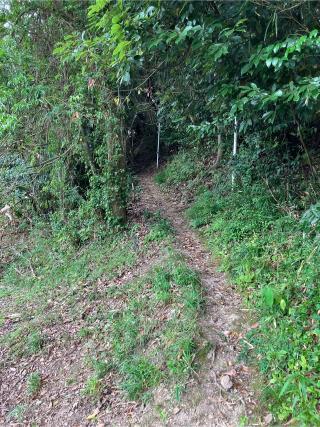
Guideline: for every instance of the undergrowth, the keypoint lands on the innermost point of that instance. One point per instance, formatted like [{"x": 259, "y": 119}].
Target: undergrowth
[
  {"x": 43, "y": 264},
  {"x": 34, "y": 383},
  {"x": 154, "y": 334},
  {"x": 135, "y": 334},
  {"x": 160, "y": 228},
  {"x": 274, "y": 258},
  {"x": 185, "y": 168}
]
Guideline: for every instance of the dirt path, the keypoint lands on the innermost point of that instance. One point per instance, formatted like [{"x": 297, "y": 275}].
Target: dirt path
[
  {"x": 217, "y": 395},
  {"x": 220, "y": 394}
]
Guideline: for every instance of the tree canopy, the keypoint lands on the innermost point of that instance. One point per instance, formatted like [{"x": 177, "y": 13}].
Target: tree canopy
[{"x": 83, "y": 88}]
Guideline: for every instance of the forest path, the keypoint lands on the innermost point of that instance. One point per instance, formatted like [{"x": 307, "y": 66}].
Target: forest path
[{"x": 220, "y": 394}]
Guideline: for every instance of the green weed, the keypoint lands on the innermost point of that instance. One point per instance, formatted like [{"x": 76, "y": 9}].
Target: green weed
[
  {"x": 125, "y": 332},
  {"x": 204, "y": 210},
  {"x": 161, "y": 413},
  {"x": 43, "y": 266},
  {"x": 101, "y": 368},
  {"x": 139, "y": 376},
  {"x": 191, "y": 287},
  {"x": 141, "y": 351},
  {"x": 84, "y": 332},
  {"x": 24, "y": 341},
  {"x": 160, "y": 229},
  {"x": 274, "y": 260},
  {"x": 35, "y": 342},
  {"x": 181, "y": 168},
  {"x": 17, "y": 413},
  {"x": 93, "y": 387},
  {"x": 33, "y": 383},
  {"x": 131, "y": 329},
  {"x": 276, "y": 265},
  {"x": 161, "y": 285},
  {"x": 181, "y": 348}
]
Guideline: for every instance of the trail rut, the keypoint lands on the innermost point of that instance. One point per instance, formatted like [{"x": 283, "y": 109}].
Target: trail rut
[{"x": 207, "y": 402}]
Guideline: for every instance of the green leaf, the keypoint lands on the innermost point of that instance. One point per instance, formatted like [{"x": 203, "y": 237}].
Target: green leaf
[
  {"x": 115, "y": 29},
  {"x": 268, "y": 296},
  {"x": 246, "y": 68},
  {"x": 97, "y": 7},
  {"x": 287, "y": 385},
  {"x": 283, "y": 305},
  {"x": 278, "y": 93},
  {"x": 116, "y": 19},
  {"x": 303, "y": 362},
  {"x": 121, "y": 49},
  {"x": 126, "y": 77}
]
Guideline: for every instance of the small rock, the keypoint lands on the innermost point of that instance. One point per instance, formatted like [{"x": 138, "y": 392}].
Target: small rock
[
  {"x": 255, "y": 325},
  {"x": 226, "y": 382},
  {"x": 268, "y": 419},
  {"x": 176, "y": 410}
]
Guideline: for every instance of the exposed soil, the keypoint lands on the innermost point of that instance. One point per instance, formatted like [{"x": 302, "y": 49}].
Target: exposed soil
[{"x": 217, "y": 395}]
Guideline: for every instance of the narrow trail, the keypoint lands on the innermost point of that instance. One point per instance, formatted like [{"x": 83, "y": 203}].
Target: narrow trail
[{"x": 220, "y": 394}]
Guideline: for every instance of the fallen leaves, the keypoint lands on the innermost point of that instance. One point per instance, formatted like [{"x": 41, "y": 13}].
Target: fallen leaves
[
  {"x": 268, "y": 419},
  {"x": 93, "y": 415}
]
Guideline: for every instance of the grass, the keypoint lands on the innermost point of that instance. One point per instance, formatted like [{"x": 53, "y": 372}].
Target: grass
[
  {"x": 159, "y": 312},
  {"x": 274, "y": 260},
  {"x": 43, "y": 273},
  {"x": 268, "y": 257},
  {"x": 43, "y": 265},
  {"x": 136, "y": 335},
  {"x": 183, "y": 167},
  {"x": 17, "y": 413},
  {"x": 161, "y": 286},
  {"x": 24, "y": 340},
  {"x": 140, "y": 375},
  {"x": 153, "y": 337},
  {"x": 160, "y": 228},
  {"x": 33, "y": 383},
  {"x": 93, "y": 387}
]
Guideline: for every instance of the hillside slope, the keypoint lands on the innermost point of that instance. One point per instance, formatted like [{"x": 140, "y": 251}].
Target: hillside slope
[{"x": 118, "y": 333}]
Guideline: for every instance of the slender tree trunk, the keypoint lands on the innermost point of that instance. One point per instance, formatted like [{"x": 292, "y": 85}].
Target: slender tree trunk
[{"x": 117, "y": 170}]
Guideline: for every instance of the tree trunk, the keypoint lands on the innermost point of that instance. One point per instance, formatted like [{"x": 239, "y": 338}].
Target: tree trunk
[{"x": 117, "y": 181}]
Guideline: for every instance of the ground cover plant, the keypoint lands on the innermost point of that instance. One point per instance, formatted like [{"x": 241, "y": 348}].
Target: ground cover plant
[
  {"x": 272, "y": 255},
  {"x": 145, "y": 349},
  {"x": 135, "y": 334}
]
